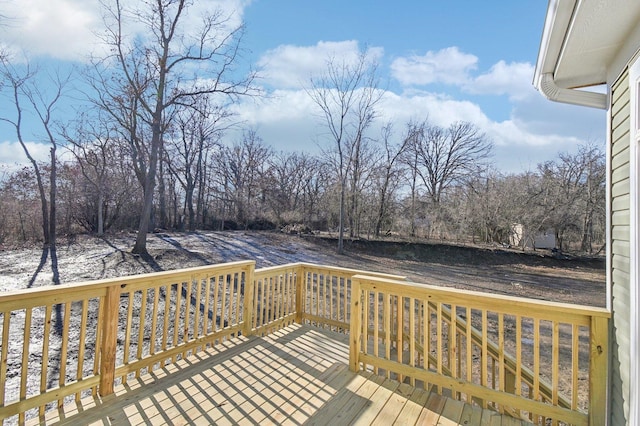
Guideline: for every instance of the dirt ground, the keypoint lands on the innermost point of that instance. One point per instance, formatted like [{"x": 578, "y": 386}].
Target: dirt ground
[{"x": 497, "y": 270}]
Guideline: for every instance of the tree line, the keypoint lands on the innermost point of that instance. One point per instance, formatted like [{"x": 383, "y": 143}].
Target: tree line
[
  {"x": 146, "y": 151},
  {"x": 247, "y": 185}
]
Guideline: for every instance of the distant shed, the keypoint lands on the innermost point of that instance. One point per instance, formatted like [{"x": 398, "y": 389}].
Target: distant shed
[{"x": 540, "y": 240}]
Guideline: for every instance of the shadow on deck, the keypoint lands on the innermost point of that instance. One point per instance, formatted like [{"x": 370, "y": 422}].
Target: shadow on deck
[{"x": 298, "y": 375}]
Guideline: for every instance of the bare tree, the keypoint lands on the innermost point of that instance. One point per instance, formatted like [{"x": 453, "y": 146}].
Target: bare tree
[
  {"x": 151, "y": 75},
  {"x": 25, "y": 89},
  {"x": 447, "y": 156},
  {"x": 347, "y": 95},
  {"x": 569, "y": 195},
  {"x": 409, "y": 158},
  {"x": 194, "y": 134},
  {"x": 241, "y": 169},
  {"x": 388, "y": 175},
  {"x": 98, "y": 154}
]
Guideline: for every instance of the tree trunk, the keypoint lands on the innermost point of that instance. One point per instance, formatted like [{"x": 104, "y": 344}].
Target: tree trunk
[
  {"x": 341, "y": 219},
  {"x": 100, "y": 211},
  {"x": 162, "y": 197},
  {"x": 52, "y": 199},
  {"x": 191, "y": 212}
]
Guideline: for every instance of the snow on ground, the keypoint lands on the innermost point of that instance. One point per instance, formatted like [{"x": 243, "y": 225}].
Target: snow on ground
[{"x": 89, "y": 258}]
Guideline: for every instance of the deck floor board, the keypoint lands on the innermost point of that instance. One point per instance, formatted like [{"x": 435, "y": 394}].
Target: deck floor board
[{"x": 296, "y": 376}]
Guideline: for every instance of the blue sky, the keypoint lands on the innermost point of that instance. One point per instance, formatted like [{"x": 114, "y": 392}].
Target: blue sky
[{"x": 448, "y": 61}]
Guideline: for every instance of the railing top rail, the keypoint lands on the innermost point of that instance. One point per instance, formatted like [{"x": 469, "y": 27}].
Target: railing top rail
[
  {"x": 495, "y": 302},
  {"x": 352, "y": 271},
  {"x": 98, "y": 285},
  {"x": 276, "y": 268}
]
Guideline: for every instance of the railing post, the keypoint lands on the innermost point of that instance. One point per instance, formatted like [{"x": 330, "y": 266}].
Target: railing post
[
  {"x": 356, "y": 324},
  {"x": 109, "y": 340},
  {"x": 598, "y": 370},
  {"x": 248, "y": 305},
  {"x": 300, "y": 293}
]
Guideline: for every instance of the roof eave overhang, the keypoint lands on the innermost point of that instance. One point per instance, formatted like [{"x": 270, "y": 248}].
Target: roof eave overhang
[{"x": 558, "y": 22}]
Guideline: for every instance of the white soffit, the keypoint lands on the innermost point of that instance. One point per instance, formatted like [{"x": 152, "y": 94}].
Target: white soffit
[{"x": 597, "y": 31}]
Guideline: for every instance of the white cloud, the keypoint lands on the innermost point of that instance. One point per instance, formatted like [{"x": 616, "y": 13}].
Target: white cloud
[
  {"x": 449, "y": 66},
  {"x": 62, "y": 29},
  {"x": 68, "y": 29},
  {"x": 513, "y": 79},
  {"x": 438, "y": 109},
  {"x": 14, "y": 158},
  {"x": 536, "y": 131},
  {"x": 289, "y": 66},
  {"x": 280, "y": 105}
]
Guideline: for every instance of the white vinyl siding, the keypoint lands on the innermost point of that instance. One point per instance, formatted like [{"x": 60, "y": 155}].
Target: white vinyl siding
[{"x": 620, "y": 248}]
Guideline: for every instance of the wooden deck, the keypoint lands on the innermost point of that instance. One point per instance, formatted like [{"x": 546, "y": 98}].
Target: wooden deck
[{"x": 296, "y": 376}]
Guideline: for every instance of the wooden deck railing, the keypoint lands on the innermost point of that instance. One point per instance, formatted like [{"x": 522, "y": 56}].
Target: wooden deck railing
[
  {"x": 83, "y": 339},
  {"x": 459, "y": 343}
]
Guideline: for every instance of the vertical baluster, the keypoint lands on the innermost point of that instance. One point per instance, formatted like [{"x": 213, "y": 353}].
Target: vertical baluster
[
  {"x": 64, "y": 344},
  {"x": 316, "y": 293},
  {"x": 469, "y": 346},
  {"x": 259, "y": 302},
  {"x": 485, "y": 354},
  {"x": 24, "y": 368},
  {"x": 400, "y": 331},
  {"x": 176, "y": 318},
  {"x": 45, "y": 354},
  {"x": 555, "y": 364},
  {"x": 345, "y": 310},
  {"x": 238, "y": 283},
  {"x": 282, "y": 302},
  {"x": 187, "y": 312},
  {"x": 229, "y": 291},
  {"x": 289, "y": 294},
  {"x": 536, "y": 363},
  {"x": 207, "y": 299},
  {"x": 275, "y": 292},
  {"x": 198, "y": 302},
  {"x": 216, "y": 286},
  {"x": 127, "y": 336},
  {"x": 365, "y": 324},
  {"x": 223, "y": 299},
  {"x": 81, "y": 343},
  {"x": 439, "y": 348},
  {"x": 387, "y": 328},
  {"x": 412, "y": 336},
  {"x": 141, "y": 325},
  {"x": 453, "y": 347},
  {"x": 427, "y": 334},
  {"x": 265, "y": 299},
  {"x": 272, "y": 295},
  {"x": 331, "y": 302},
  {"x": 575, "y": 359},
  {"x": 513, "y": 380},
  {"x": 165, "y": 320},
  {"x": 376, "y": 327},
  {"x": 501, "y": 367},
  {"x": 154, "y": 321},
  {"x": 326, "y": 297},
  {"x": 518, "y": 380}
]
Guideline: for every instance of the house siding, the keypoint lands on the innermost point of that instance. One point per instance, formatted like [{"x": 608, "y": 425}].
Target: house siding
[{"x": 620, "y": 221}]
